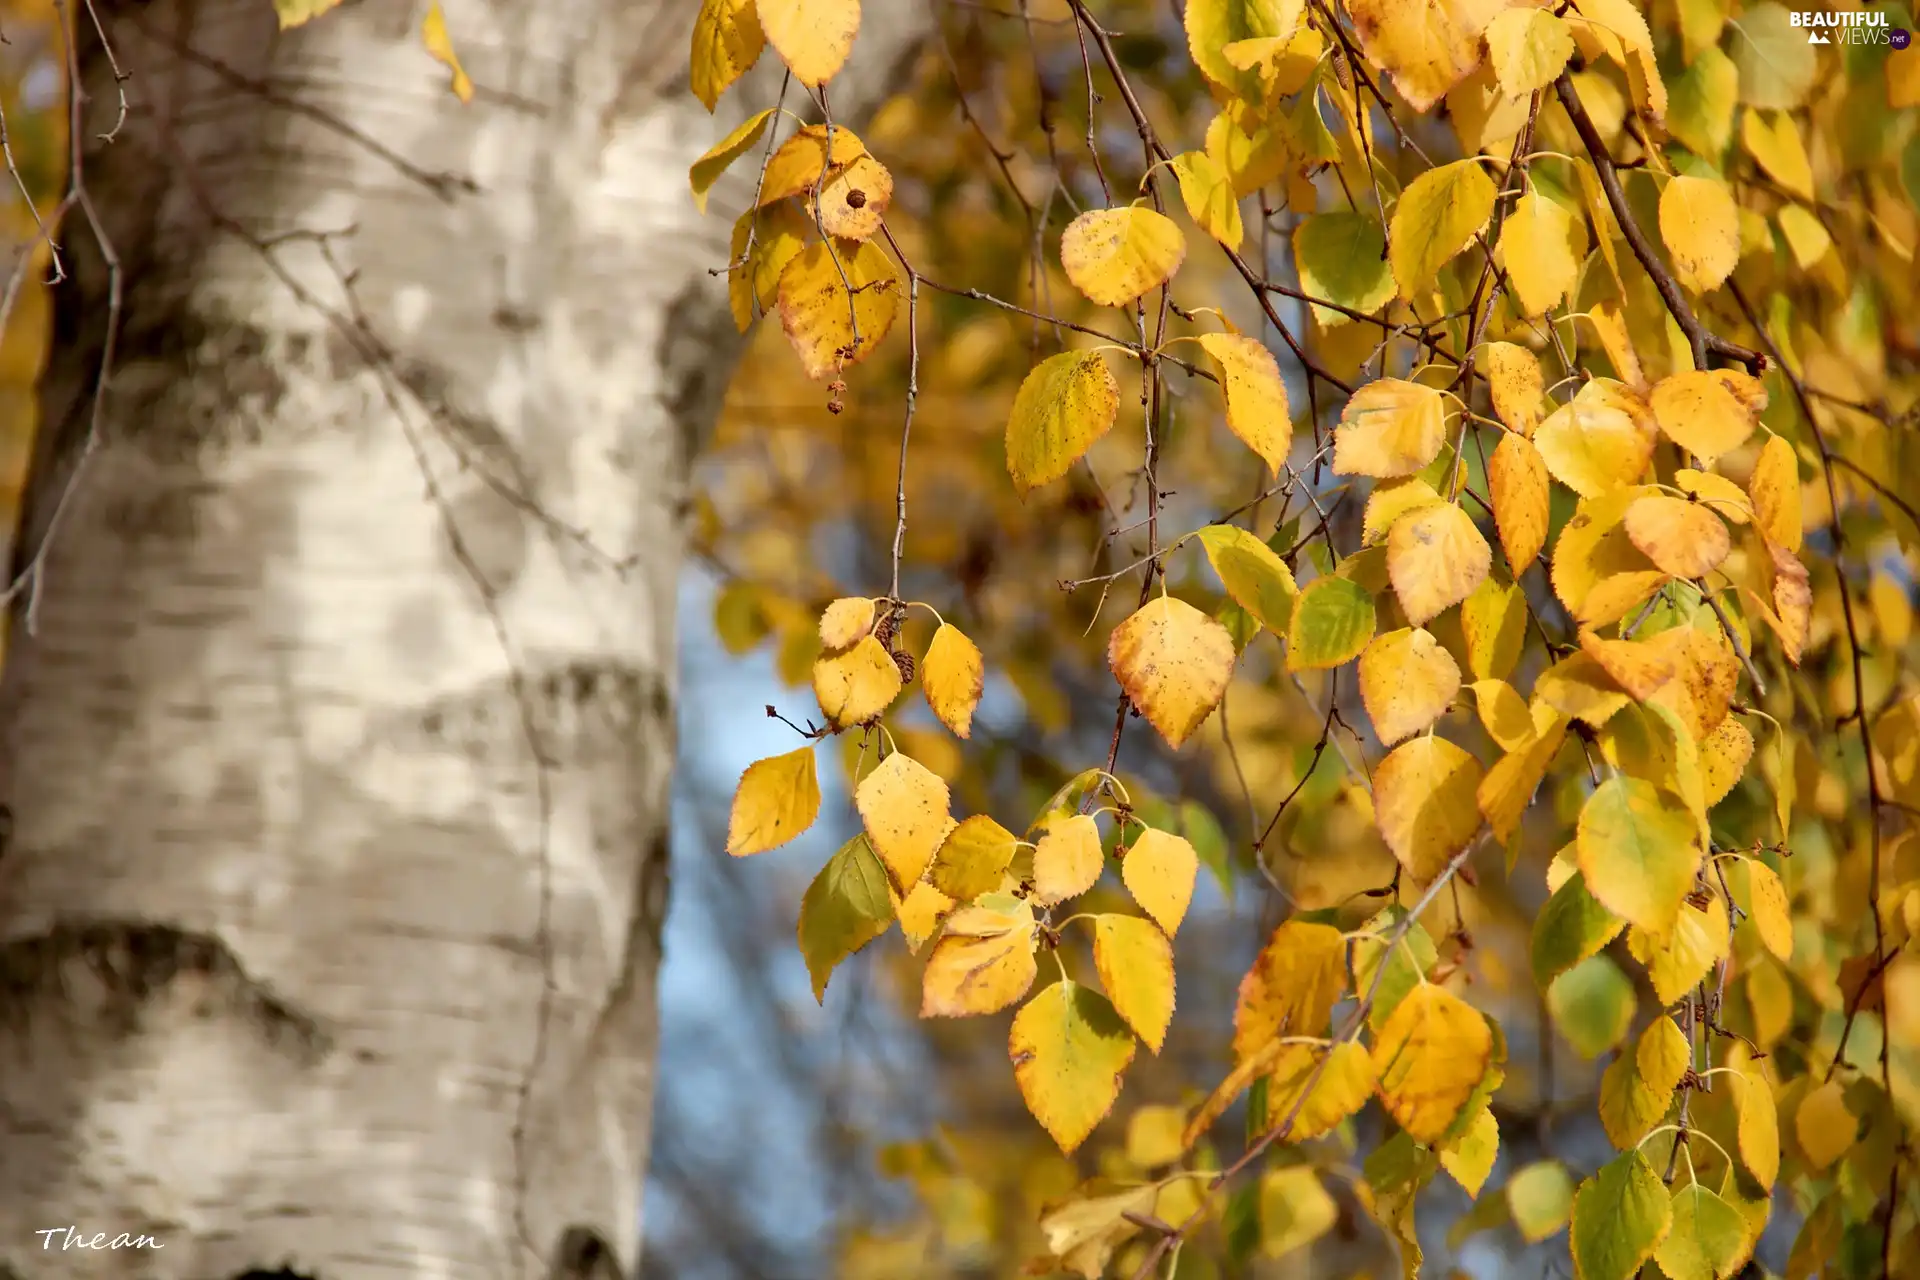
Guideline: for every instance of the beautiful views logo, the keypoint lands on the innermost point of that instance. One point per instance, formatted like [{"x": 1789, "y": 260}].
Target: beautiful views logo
[{"x": 1851, "y": 27}]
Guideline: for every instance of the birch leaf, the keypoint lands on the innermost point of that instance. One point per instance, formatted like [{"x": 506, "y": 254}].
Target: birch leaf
[
  {"x": 904, "y": 806},
  {"x": 1173, "y": 662},
  {"x": 1135, "y": 961},
  {"x": 952, "y": 676},
  {"x": 1424, "y": 803},
  {"x": 814, "y": 37},
  {"x": 1159, "y": 869},
  {"x": 1436, "y": 218},
  {"x": 984, "y": 960},
  {"x": 1256, "y": 397},
  {"x": 1436, "y": 557},
  {"x": 1115, "y": 255},
  {"x": 778, "y": 798},
  {"x": 1065, "y": 404},
  {"x": 1407, "y": 681},
  {"x": 1070, "y": 1051}
]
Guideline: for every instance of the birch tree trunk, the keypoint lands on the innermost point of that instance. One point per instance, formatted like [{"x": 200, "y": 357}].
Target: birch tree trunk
[{"x": 338, "y": 755}]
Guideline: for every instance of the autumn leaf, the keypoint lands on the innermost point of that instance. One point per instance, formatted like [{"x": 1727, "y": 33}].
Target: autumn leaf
[
  {"x": 1214, "y": 25},
  {"x": 953, "y": 675},
  {"x": 983, "y": 961},
  {"x": 1407, "y": 681},
  {"x": 1682, "y": 538},
  {"x": 1637, "y": 1088},
  {"x": 1115, "y": 255},
  {"x": 1620, "y": 1215},
  {"x": 857, "y": 684},
  {"x": 836, "y": 303},
  {"x": 1341, "y": 1088},
  {"x": 1571, "y": 927},
  {"x": 854, "y": 202},
  {"x": 1528, "y": 49},
  {"x": 708, "y": 168},
  {"x": 1470, "y": 1158},
  {"x": 1770, "y": 908},
  {"x": 1257, "y": 579},
  {"x": 1757, "y": 1124},
  {"x": 814, "y": 37},
  {"x": 433, "y": 33},
  {"x": 848, "y": 905},
  {"x": 1542, "y": 246},
  {"x": 1341, "y": 256},
  {"x": 777, "y": 235},
  {"x": 1429, "y": 1058},
  {"x": 1068, "y": 859},
  {"x": 1063, "y": 406},
  {"x": 1824, "y": 1125},
  {"x": 727, "y": 41},
  {"x": 973, "y": 858},
  {"x": 1493, "y": 622},
  {"x": 1437, "y": 217},
  {"x": 1333, "y": 618},
  {"x": 1173, "y": 662},
  {"x": 1638, "y": 668},
  {"x": 1508, "y": 788},
  {"x": 1207, "y": 192},
  {"x": 1775, "y": 489},
  {"x": 1390, "y": 500},
  {"x": 1426, "y": 48},
  {"x": 1698, "y": 413},
  {"x": 1697, "y": 943},
  {"x": 1135, "y": 961},
  {"x": 1292, "y": 986},
  {"x": 1597, "y": 442},
  {"x": 904, "y": 806},
  {"x": 1436, "y": 557},
  {"x": 1424, "y": 803},
  {"x": 845, "y": 621},
  {"x": 1070, "y": 1051},
  {"x": 797, "y": 165},
  {"x": 1518, "y": 484},
  {"x": 778, "y": 798},
  {"x": 1256, "y": 397},
  {"x": 1389, "y": 428},
  {"x": 1637, "y": 850},
  {"x": 1701, "y": 225},
  {"x": 1515, "y": 382},
  {"x": 1708, "y": 1239},
  {"x": 1159, "y": 869}
]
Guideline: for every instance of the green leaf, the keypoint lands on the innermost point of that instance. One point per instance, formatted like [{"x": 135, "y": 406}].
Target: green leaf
[
  {"x": 1592, "y": 1005},
  {"x": 1436, "y": 218},
  {"x": 1069, "y": 1049},
  {"x": 1254, "y": 576},
  {"x": 1701, "y": 102},
  {"x": 1406, "y": 965},
  {"x": 1333, "y": 618},
  {"x": 1777, "y": 66},
  {"x": 1571, "y": 927},
  {"x": 847, "y": 906},
  {"x": 1204, "y": 833},
  {"x": 1342, "y": 257},
  {"x": 1636, "y": 848},
  {"x": 1620, "y": 1215},
  {"x": 1065, "y": 404},
  {"x": 1708, "y": 1240}
]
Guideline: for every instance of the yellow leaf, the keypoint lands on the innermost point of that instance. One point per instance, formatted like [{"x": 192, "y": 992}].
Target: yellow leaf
[
  {"x": 1529, "y": 49},
  {"x": 1429, "y": 1057},
  {"x": 1173, "y": 661},
  {"x": 1616, "y": 29},
  {"x": 1065, "y": 404},
  {"x": 984, "y": 960},
  {"x": 813, "y": 36},
  {"x": 819, "y": 313},
  {"x": 1792, "y": 614},
  {"x": 1682, "y": 538},
  {"x": 1758, "y": 1124},
  {"x": 1158, "y": 870},
  {"x": 1578, "y": 687},
  {"x": 1343, "y": 1087},
  {"x": 1135, "y": 961},
  {"x": 1333, "y": 618},
  {"x": 1700, "y": 414},
  {"x": 1515, "y": 380},
  {"x": 1213, "y": 26},
  {"x": 1424, "y": 803},
  {"x": 1068, "y": 858},
  {"x": 1503, "y": 713},
  {"x": 1256, "y": 397},
  {"x": 778, "y": 798},
  {"x": 1494, "y": 622},
  {"x": 708, "y": 168},
  {"x": 1542, "y": 247},
  {"x": 1427, "y": 48},
  {"x": 433, "y": 32},
  {"x": 1470, "y": 1158},
  {"x": 1637, "y": 667},
  {"x": 796, "y": 164},
  {"x": 1597, "y": 571},
  {"x": 1407, "y": 681},
  {"x": 921, "y": 912},
  {"x": 903, "y": 805},
  {"x": 1294, "y": 1207},
  {"x": 1504, "y": 794},
  {"x": 1636, "y": 848},
  {"x": 1390, "y": 500},
  {"x": 1436, "y": 557},
  {"x": 1070, "y": 1050},
  {"x": 1115, "y": 255},
  {"x": 1697, "y": 943},
  {"x": 1596, "y": 443},
  {"x": 857, "y": 684},
  {"x": 1517, "y": 482},
  {"x": 1291, "y": 988},
  {"x": 845, "y": 621},
  {"x": 1084, "y": 1231},
  {"x": 726, "y": 41},
  {"x": 1253, "y": 574},
  {"x": 1824, "y": 1125},
  {"x": 1773, "y": 139},
  {"x": 1637, "y": 1088},
  {"x": 855, "y": 200},
  {"x": 973, "y": 858},
  {"x": 952, "y": 676},
  {"x": 778, "y": 234},
  {"x": 1806, "y": 235},
  {"x": 1769, "y": 905},
  {"x": 1724, "y": 754},
  {"x": 1775, "y": 488},
  {"x": 1254, "y": 152},
  {"x": 1389, "y": 428},
  {"x": 1701, "y": 225},
  {"x": 1436, "y": 218},
  {"x": 1728, "y": 500},
  {"x": 294, "y": 12},
  {"x": 1208, "y": 194}
]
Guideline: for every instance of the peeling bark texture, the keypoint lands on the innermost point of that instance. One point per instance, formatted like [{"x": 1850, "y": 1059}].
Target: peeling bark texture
[{"x": 339, "y": 758}]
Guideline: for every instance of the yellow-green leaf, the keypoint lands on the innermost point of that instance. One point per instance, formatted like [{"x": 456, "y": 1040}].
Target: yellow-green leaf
[
  {"x": 904, "y": 807},
  {"x": 1494, "y": 621},
  {"x": 1436, "y": 218},
  {"x": 1256, "y": 397},
  {"x": 1637, "y": 1088},
  {"x": 1295, "y": 1209},
  {"x": 1115, "y": 255},
  {"x": 778, "y": 798},
  {"x": 1333, "y": 618},
  {"x": 1470, "y": 1157},
  {"x": 814, "y": 37},
  {"x": 1208, "y": 194},
  {"x": 1592, "y": 1005},
  {"x": 848, "y": 905},
  {"x": 973, "y": 858},
  {"x": 1173, "y": 661},
  {"x": 1540, "y": 1197},
  {"x": 1636, "y": 848},
  {"x": 1697, "y": 943},
  {"x": 1342, "y": 257},
  {"x": 1407, "y": 681},
  {"x": 952, "y": 676},
  {"x": 727, "y": 40},
  {"x": 1529, "y": 48},
  {"x": 1572, "y": 926},
  {"x": 1436, "y": 557},
  {"x": 1429, "y": 1057},
  {"x": 1070, "y": 1050},
  {"x": 984, "y": 960},
  {"x": 1256, "y": 577},
  {"x": 1159, "y": 869},
  {"x": 1620, "y": 1216},
  {"x": 1595, "y": 443},
  {"x": 1065, "y": 404},
  {"x": 1708, "y": 1240},
  {"x": 1701, "y": 225},
  {"x": 1135, "y": 961}
]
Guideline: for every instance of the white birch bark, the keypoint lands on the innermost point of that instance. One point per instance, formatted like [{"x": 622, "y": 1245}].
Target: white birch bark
[{"x": 338, "y": 761}]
